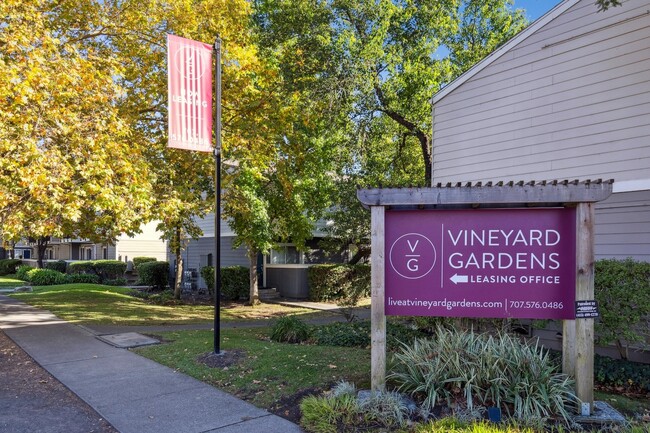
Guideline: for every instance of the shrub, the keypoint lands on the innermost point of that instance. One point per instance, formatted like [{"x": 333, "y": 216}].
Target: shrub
[
  {"x": 81, "y": 278},
  {"x": 622, "y": 373},
  {"x": 137, "y": 261},
  {"x": 116, "y": 282},
  {"x": 357, "y": 334},
  {"x": 59, "y": 266},
  {"x": 386, "y": 408},
  {"x": 105, "y": 270},
  {"x": 345, "y": 284},
  {"x": 207, "y": 273},
  {"x": 235, "y": 283},
  {"x": 9, "y": 266},
  {"x": 290, "y": 329},
  {"x": 343, "y": 408},
  {"x": 83, "y": 267},
  {"x": 109, "y": 269},
  {"x": 154, "y": 274},
  {"x": 481, "y": 369},
  {"x": 622, "y": 289},
  {"x": 325, "y": 414},
  {"x": 21, "y": 272},
  {"x": 45, "y": 277}
]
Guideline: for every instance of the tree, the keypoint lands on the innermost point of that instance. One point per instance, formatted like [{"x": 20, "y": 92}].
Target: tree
[
  {"x": 67, "y": 164},
  {"x": 376, "y": 65},
  {"x": 84, "y": 104}
]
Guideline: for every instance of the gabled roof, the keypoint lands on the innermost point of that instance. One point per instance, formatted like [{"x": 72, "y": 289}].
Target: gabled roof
[{"x": 503, "y": 49}]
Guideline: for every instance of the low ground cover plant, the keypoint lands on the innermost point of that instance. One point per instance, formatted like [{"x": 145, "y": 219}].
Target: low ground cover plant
[
  {"x": 464, "y": 370},
  {"x": 290, "y": 329}
]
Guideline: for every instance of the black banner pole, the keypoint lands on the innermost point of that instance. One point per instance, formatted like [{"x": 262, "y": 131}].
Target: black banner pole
[{"x": 217, "y": 210}]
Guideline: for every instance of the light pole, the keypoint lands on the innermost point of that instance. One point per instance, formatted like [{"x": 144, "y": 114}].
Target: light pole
[{"x": 217, "y": 193}]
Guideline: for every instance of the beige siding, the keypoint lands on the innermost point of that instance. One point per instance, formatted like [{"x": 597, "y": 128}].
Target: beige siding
[
  {"x": 570, "y": 101},
  {"x": 145, "y": 244},
  {"x": 623, "y": 226}
]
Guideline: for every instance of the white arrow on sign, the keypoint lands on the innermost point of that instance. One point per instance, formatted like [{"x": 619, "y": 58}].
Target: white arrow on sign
[{"x": 459, "y": 279}]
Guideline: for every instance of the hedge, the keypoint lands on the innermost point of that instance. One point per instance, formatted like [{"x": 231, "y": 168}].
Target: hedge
[
  {"x": 59, "y": 266},
  {"x": 207, "y": 273},
  {"x": 137, "y": 261},
  {"x": 235, "y": 281},
  {"x": 83, "y": 267},
  {"x": 21, "y": 272},
  {"x": 109, "y": 269},
  {"x": 342, "y": 283},
  {"x": 45, "y": 277},
  {"x": 106, "y": 270},
  {"x": 9, "y": 266},
  {"x": 154, "y": 274},
  {"x": 622, "y": 289}
]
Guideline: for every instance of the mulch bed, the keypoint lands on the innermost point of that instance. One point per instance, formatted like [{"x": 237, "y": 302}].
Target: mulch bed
[{"x": 32, "y": 400}]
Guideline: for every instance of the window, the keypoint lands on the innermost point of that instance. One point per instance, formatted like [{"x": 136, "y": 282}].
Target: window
[
  {"x": 312, "y": 255},
  {"x": 285, "y": 255}
]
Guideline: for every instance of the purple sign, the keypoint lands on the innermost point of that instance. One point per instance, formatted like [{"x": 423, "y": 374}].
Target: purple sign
[{"x": 499, "y": 263}]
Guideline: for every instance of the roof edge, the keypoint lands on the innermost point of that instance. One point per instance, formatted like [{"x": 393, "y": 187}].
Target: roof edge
[{"x": 503, "y": 49}]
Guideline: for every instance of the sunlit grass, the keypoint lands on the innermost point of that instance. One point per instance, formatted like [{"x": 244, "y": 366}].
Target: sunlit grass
[
  {"x": 268, "y": 371},
  {"x": 10, "y": 281},
  {"x": 94, "y": 303}
]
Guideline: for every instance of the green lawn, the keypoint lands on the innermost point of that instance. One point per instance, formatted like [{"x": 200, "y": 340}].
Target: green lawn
[
  {"x": 268, "y": 374},
  {"x": 268, "y": 371},
  {"x": 10, "y": 281},
  {"x": 94, "y": 303}
]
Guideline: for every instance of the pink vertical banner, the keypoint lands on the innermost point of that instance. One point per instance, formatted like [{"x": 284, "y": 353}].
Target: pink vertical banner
[{"x": 189, "y": 85}]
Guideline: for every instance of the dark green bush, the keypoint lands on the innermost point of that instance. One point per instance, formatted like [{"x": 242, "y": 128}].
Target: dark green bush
[
  {"x": 290, "y": 329},
  {"x": 235, "y": 283},
  {"x": 44, "y": 277},
  {"x": 82, "y": 267},
  {"x": 345, "y": 284},
  {"x": 622, "y": 289},
  {"x": 105, "y": 270},
  {"x": 81, "y": 278},
  {"x": 59, "y": 266},
  {"x": 137, "y": 261},
  {"x": 619, "y": 372},
  {"x": 109, "y": 269},
  {"x": 207, "y": 273},
  {"x": 154, "y": 274},
  {"x": 9, "y": 266},
  {"x": 357, "y": 334},
  {"x": 21, "y": 272},
  {"x": 116, "y": 282}
]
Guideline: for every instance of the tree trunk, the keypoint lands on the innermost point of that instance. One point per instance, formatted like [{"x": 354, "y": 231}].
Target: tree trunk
[
  {"x": 179, "y": 266},
  {"x": 254, "y": 297},
  {"x": 41, "y": 247}
]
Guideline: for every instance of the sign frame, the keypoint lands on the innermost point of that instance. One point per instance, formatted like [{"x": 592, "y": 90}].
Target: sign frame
[{"x": 578, "y": 335}]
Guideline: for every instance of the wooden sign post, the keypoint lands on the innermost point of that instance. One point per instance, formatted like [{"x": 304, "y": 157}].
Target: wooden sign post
[{"x": 578, "y": 335}]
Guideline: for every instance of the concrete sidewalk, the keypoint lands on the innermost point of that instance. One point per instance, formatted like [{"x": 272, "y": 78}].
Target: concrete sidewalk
[{"x": 134, "y": 394}]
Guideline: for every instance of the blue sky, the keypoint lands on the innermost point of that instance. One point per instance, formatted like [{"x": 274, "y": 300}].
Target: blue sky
[{"x": 535, "y": 8}]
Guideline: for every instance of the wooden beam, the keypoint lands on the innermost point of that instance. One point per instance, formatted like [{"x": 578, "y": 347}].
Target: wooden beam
[
  {"x": 569, "y": 347},
  {"x": 584, "y": 349},
  {"x": 377, "y": 309},
  {"x": 556, "y": 193}
]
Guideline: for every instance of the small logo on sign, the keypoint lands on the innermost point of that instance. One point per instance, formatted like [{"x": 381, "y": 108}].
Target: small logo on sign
[
  {"x": 412, "y": 256},
  {"x": 190, "y": 62}
]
